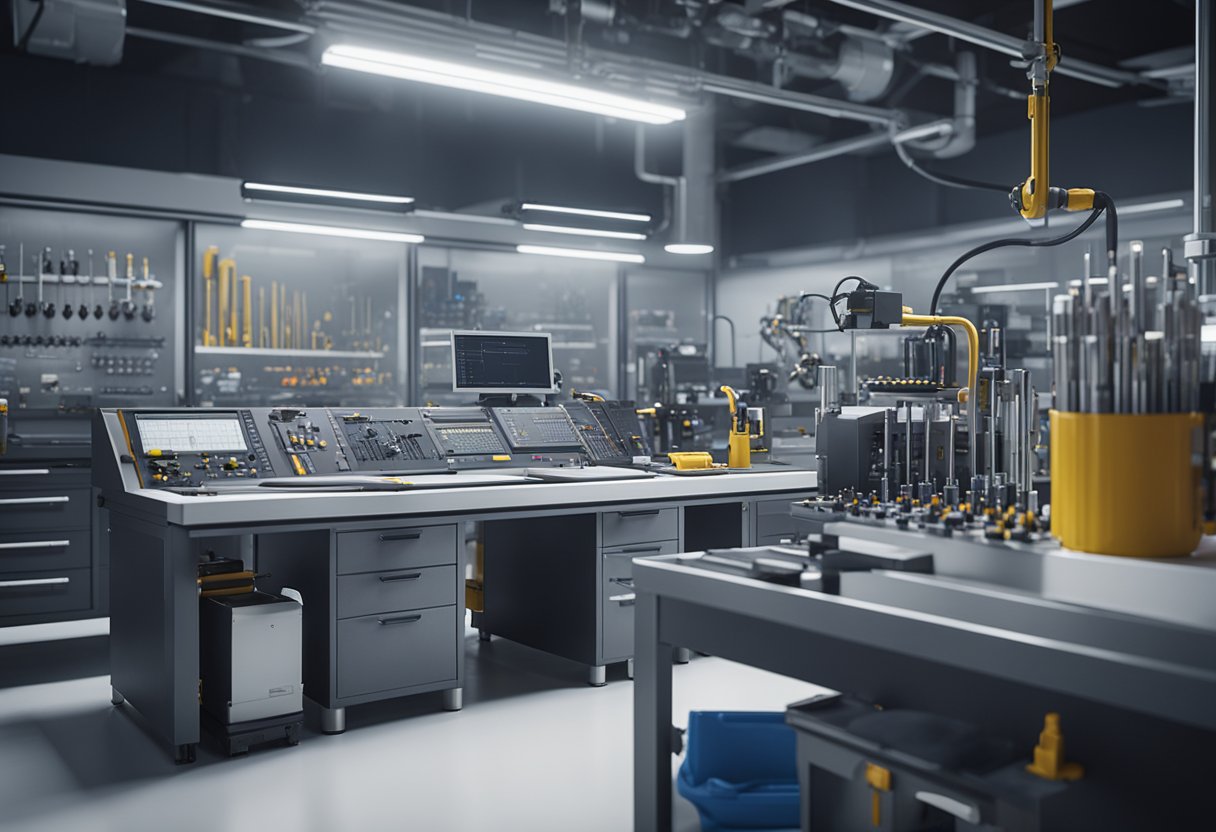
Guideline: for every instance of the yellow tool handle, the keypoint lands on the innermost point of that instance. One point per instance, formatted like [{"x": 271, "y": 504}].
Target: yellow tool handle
[
  {"x": 973, "y": 343},
  {"x": 732, "y": 397}
]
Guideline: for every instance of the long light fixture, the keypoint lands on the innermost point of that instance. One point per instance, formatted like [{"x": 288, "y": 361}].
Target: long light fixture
[
  {"x": 333, "y": 231},
  {"x": 688, "y": 248},
  {"x": 292, "y": 190},
  {"x": 475, "y": 79},
  {"x": 582, "y": 254},
  {"x": 624, "y": 216},
  {"x": 584, "y": 232},
  {"x": 1013, "y": 287}
]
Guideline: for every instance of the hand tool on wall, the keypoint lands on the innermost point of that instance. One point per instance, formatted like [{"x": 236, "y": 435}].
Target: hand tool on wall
[
  {"x": 98, "y": 310},
  {"x": 128, "y": 304},
  {"x": 74, "y": 266},
  {"x": 45, "y": 267},
  {"x": 15, "y": 306},
  {"x": 209, "y": 260},
  {"x": 68, "y": 266},
  {"x": 148, "y": 312},
  {"x": 111, "y": 279},
  {"x": 4, "y": 278},
  {"x": 246, "y": 311},
  {"x": 233, "y": 301},
  {"x": 274, "y": 314},
  {"x": 225, "y": 265}
]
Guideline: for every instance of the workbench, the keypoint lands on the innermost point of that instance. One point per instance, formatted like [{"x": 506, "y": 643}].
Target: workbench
[
  {"x": 992, "y": 638},
  {"x": 382, "y": 574}
]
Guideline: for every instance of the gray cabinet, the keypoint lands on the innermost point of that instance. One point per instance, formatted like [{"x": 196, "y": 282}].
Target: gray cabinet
[
  {"x": 383, "y": 616},
  {"x": 47, "y": 571}
]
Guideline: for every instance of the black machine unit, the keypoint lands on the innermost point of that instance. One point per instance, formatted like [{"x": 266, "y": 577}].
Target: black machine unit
[{"x": 850, "y": 447}]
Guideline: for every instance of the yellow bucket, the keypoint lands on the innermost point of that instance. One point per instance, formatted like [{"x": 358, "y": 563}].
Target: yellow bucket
[{"x": 1127, "y": 484}]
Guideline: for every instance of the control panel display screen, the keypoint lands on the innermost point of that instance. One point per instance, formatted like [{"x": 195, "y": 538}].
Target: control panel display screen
[
  {"x": 192, "y": 435},
  {"x": 502, "y": 362}
]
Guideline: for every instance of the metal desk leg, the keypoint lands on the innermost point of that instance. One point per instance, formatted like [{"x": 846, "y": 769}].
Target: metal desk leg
[
  {"x": 453, "y": 699},
  {"x": 682, "y": 655},
  {"x": 154, "y": 629},
  {"x": 597, "y": 675},
  {"x": 651, "y": 720},
  {"x": 333, "y": 720}
]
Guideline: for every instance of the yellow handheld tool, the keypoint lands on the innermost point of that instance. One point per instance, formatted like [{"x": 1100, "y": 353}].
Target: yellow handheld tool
[
  {"x": 739, "y": 444},
  {"x": 246, "y": 311},
  {"x": 209, "y": 258},
  {"x": 691, "y": 460}
]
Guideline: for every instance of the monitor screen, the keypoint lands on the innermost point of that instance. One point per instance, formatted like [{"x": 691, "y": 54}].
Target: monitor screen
[
  {"x": 502, "y": 362},
  {"x": 213, "y": 433}
]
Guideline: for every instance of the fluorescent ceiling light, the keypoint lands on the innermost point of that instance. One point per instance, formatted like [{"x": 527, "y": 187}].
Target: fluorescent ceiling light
[
  {"x": 321, "y": 192},
  {"x": 1012, "y": 287},
  {"x": 1149, "y": 207},
  {"x": 584, "y": 232},
  {"x": 585, "y": 212},
  {"x": 582, "y": 254},
  {"x": 474, "y": 79},
  {"x": 333, "y": 231},
  {"x": 688, "y": 248}
]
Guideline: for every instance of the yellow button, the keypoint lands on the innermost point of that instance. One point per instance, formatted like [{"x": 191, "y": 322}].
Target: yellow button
[{"x": 501, "y": 457}]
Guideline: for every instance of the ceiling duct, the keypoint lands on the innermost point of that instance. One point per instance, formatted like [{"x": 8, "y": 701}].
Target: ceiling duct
[{"x": 82, "y": 31}]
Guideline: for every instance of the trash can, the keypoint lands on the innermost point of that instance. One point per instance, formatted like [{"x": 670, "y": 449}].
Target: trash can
[{"x": 740, "y": 770}]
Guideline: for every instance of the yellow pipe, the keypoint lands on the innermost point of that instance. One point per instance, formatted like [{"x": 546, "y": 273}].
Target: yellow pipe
[
  {"x": 224, "y": 300},
  {"x": 739, "y": 442},
  {"x": 274, "y": 314},
  {"x": 973, "y": 343}
]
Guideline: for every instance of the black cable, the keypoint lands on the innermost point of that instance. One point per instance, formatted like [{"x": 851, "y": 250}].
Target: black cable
[
  {"x": 1111, "y": 235},
  {"x": 29, "y": 30},
  {"x": 946, "y": 179}
]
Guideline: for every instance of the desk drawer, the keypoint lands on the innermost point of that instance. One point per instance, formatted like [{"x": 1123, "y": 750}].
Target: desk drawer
[
  {"x": 620, "y": 528},
  {"x": 773, "y": 518},
  {"x": 41, "y": 508},
  {"x": 35, "y": 593},
  {"x": 25, "y": 477},
  {"x": 618, "y": 561},
  {"x": 372, "y": 592},
  {"x": 52, "y": 549},
  {"x": 617, "y": 630},
  {"x": 405, "y": 547},
  {"x": 396, "y": 650}
]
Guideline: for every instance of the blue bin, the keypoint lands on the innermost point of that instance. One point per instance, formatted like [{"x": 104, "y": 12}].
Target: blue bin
[{"x": 740, "y": 770}]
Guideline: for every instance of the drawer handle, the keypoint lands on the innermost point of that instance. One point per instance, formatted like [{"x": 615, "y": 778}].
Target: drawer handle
[
  {"x": 401, "y": 619},
  {"x": 625, "y": 582},
  {"x": 633, "y": 550},
  {"x": 412, "y": 576},
  {"x": 33, "y": 501},
  {"x": 387, "y": 536},
  {"x": 36, "y": 544},
  {"x": 624, "y": 600},
  {"x": 34, "y": 582},
  {"x": 27, "y": 472},
  {"x": 654, "y": 512}
]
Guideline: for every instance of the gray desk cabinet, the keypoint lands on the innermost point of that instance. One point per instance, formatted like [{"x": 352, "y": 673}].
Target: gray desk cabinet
[
  {"x": 47, "y": 570},
  {"x": 564, "y": 584},
  {"x": 383, "y": 610}
]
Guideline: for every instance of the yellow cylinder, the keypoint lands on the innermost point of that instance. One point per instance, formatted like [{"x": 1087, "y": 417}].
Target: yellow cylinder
[{"x": 1127, "y": 484}]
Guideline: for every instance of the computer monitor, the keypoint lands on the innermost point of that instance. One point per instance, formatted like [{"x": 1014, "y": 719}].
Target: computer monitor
[{"x": 502, "y": 362}]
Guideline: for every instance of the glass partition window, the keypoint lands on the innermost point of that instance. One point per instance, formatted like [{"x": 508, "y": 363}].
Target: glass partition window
[
  {"x": 666, "y": 311},
  {"x": 297, "y": 319},
  {"x": 91, "y": 305},
  {"x": 505, "y": 291}
]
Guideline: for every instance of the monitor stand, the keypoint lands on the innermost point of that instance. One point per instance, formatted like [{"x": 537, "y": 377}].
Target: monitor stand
[{"x": 493, "y": 400}]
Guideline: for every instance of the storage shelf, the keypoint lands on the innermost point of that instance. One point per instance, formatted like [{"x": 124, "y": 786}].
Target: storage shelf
[{"x": 286, "y": 353}]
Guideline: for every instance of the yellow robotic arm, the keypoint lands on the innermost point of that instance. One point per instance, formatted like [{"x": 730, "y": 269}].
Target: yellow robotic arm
[{"x": 1034, "y": 197}]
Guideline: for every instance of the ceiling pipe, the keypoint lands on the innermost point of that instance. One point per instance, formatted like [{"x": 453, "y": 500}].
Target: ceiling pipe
[
  {"x": 961, "y": 137},
  {"x": 856, "y": 144},
  {"x": 996, "y": 41},
  {"x": 232, "y": 12}
]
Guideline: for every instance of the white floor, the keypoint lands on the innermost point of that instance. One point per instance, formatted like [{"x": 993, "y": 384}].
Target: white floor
[{"x": 534, "y": 749}]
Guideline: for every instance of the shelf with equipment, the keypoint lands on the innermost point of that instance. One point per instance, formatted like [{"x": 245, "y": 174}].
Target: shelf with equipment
[{"x": 286, "y": 318}]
